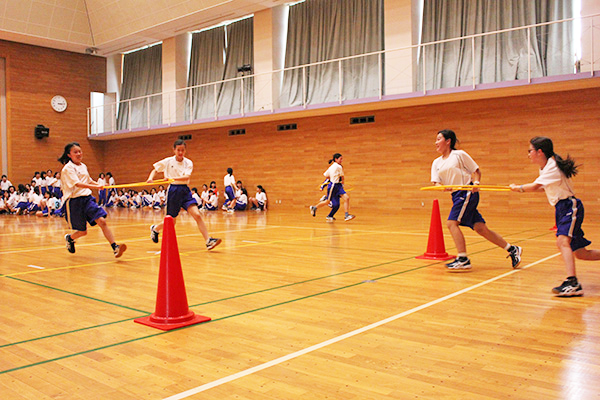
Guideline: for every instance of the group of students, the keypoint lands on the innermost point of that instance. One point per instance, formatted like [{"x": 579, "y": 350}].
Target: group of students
[
  {"x": 453, "y": 167},
  {"x": 456, "y": 168},
  {"x": 41, "y": 197}
]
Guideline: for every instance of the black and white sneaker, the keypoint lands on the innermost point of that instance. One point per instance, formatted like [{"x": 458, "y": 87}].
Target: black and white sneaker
[
  {"x": 212, "y": 243},
  {"x": 153, "y": 234},
  {"x": 515, "y": 255},
  {"x": 348, "y": 217},
  {"x": 119, "y": 250},
  {"x": 459, "y": 264},
  {"x": 70, "y": 243},
  {"x": 313, "y": 211},
  {"x": 569, "y": 288}
]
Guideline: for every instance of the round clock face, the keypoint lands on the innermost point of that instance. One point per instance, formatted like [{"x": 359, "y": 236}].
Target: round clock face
[{"x": 59, "y": 103}]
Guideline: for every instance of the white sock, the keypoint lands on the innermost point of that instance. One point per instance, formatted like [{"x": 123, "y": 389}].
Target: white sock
[
  {"x": 464, "y": 255},
  {"x": 507, "y": 246}
]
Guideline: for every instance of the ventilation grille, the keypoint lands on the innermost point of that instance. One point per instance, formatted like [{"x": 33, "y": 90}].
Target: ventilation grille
[
  {"x": 185, "y": 137},
  {"x": 235, "y": 132},
  {"x": 287, "y": 127},
  {"x": 362, "y": 120}
]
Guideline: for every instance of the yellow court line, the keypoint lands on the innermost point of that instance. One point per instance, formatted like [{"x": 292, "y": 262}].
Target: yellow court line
[{"x": 181, "y": 254}]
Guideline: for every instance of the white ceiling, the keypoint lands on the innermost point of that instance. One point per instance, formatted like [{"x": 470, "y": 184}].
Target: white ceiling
[{"x": 114, "y": 26}]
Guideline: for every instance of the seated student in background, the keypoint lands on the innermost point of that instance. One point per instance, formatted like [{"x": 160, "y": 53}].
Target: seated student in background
[
  {"x": 57, "y": 185},
  {"x": 204, "y": 196},
  {"x": 112, "y": 200},
  {"x": 156, "y": 204},
  {"x": 213, "y": 201},
  {"x": 196, "y": 197},
  {"x": 4, "y": 184},
  {"x": 146, "y": 199},
  {"x": 259, "y": 202},
  {"x": 35, "y": 201},
  {"x": 22, "y": 199},
  {"x": 241, "y": 201}
]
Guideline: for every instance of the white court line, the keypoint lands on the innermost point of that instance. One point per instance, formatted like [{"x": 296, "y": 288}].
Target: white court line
[
  {"x": 318, "y": 346},
  {"x": 35, "y": 266},
  {"x": 250, "y": 241}
]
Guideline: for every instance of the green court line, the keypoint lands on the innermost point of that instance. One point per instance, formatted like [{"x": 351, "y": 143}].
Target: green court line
[
  {"x": 77, "y": 294},
  {"x": 241, "y": 313}
]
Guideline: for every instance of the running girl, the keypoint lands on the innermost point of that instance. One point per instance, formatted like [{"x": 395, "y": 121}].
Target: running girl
[
  {"x": 80, "y": 205},
  {"x": 555, "y": 180},
  {"x": 335, "y": 191},
  {"x": 179, "y": 195},
  {"x": 456, "y": 167}
]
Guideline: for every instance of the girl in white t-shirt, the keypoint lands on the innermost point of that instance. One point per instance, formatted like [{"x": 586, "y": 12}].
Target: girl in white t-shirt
[
  {"x": 179, "y": 169},
  {"x": 456, "y": 167},
  {"x": 259, "y": 202},
  {"x": 335, "y": 190},
  {"x": 555, "y": 180},
  {"x": 102, "y": 192},
  {"x": 80, "y": 206}
]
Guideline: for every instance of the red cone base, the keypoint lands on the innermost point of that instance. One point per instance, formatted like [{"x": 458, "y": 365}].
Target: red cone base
[
  {"x": 436, "y": 249},
  {"x": 172, "y": 309}
]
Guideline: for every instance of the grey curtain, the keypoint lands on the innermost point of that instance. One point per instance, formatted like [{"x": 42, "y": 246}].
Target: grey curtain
[
  {"x": 240, "y": 51},
  {"x": 206, "y": 65},
  {"x": 320, "y": 30},
  {"x": 499, "y": 57},
  {"x": 142, "y": 75}
]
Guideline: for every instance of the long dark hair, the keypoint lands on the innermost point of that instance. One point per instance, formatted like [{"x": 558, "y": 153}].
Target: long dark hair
[
  {"x": 449, "y": 134},
  {"x": 335, "y": 157},
  {"x": 262, "y": 189},
  {"x": 65, "y": 156},
  {"x": 567, "y": 166}
]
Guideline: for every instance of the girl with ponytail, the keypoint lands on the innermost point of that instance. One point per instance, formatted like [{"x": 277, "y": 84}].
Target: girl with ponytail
[{"x": 555, "y": 180}]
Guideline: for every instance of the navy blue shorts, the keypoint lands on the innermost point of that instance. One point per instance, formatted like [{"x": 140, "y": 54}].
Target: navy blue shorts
[
  {"x": 229, "y": 194},
  {"x": 82, "y": 210},
  {"x": 464, "y": 208},
  {"x": 569, "y": 217},
  {"x": 178, "y": 197}
]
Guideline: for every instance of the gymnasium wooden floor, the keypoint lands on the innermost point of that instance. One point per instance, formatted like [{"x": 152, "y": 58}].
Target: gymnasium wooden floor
[{"x": 301, "y": 309}]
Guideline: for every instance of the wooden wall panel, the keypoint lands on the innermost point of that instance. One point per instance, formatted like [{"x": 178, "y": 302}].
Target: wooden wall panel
[
  {"x": 34, "y": 76},
  {"x": 387, "y": 161}
]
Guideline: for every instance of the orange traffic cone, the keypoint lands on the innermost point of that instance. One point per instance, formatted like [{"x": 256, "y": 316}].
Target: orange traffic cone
[
  {"x": 436, "y": 250},
  {"x": 172, "y": 309},
  {"x": 554, "y": 228}
]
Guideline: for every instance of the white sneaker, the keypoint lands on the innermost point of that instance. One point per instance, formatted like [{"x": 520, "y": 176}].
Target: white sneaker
[{"x": 459, "y": 264}]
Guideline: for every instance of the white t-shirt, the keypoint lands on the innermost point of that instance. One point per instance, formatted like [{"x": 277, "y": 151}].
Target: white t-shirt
[
  {"x": 229, "y": 180},
  {"x": 101, "y": 181},
  {"x": 57, "y": 183},
  {"x": 242, "y": 199},
  {"x": 454, "y": 170},
  {"x": 261, "y": 197},
  {"x": 72, "y": 174},
  {"x": 196, "y": 197},
  {"x": 50, "y": 181},
  {"x": 156, "y": 198},
  {"x": 13, "y": 200},
  {"x": 556, "y": 185},
  {"x": 334, "y": 173},
  {"x": 205, "y": 195},
  {"x": 173, "y": 168},
  {"x": 214, "y": 200},
  {"x": 4, "y": 185},
  {"x": 38, "y": 181},
  {"x": 111, "y": 181}
]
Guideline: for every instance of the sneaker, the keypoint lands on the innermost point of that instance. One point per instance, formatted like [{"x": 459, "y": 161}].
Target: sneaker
[
  {"x": 313, "y": 211},
  {"x": 212, "y": 243},
  {"x": 70, "y": 243},
  {"x": 323, "y": 198},
  {"x": 329, "y": 219},
  {"x": 569, "y": 288},
  {"x": 349, "y": 217},
  {"x": 459, "y": 264},
  {"x": 120, "y": 250},
  {"x": 515, "y": 256},
  {"x": 153, "y": 234},
  {"x": 230, "y": 210}
]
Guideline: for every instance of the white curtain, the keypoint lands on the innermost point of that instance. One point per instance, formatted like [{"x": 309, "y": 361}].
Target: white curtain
[
  {"x": 320, "y": 30},
  {"x": 496, "y": 58},
  {"x": 206, "y": 65},
  {"x": 142, "y": 75},
  {"x": 240, "y": 52}
]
